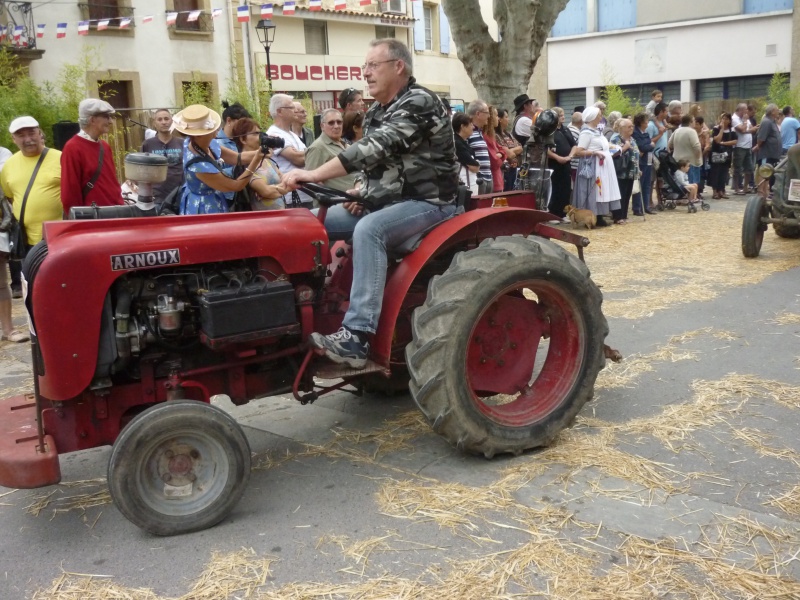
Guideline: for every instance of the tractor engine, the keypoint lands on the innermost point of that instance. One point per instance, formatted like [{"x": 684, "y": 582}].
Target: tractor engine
[{"x": 175, "y": 313}]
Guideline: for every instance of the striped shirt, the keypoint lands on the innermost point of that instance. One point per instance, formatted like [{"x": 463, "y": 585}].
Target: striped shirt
[{"x": 481, "y": 150}]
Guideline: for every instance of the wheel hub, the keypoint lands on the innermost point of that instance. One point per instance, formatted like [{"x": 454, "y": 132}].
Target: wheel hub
[{"x": 177, "y": 464}]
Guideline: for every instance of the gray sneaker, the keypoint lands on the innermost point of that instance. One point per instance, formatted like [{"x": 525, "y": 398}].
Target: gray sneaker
[{"x": 343, "y": 347}]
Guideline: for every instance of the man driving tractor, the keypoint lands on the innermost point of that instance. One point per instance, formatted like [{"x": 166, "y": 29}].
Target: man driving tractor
[{"x": 410, "y": 179}]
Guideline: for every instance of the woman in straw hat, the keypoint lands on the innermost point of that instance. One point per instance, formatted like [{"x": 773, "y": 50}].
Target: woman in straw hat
[{"x": 208, "y": 189}]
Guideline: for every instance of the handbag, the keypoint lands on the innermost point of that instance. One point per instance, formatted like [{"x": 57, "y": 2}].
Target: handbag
[
  {"x": 718, "y": 158},
  {"x": 17, "y": 237},
  {"x": 637, "y": 187},
  {"x": 586, "y": 169}
]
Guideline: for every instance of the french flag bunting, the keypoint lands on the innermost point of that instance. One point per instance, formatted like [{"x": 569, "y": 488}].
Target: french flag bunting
[
  {"x": 340, "y": 5},
  {"x": 266, "y": 11},
  {"x": 124, "y": 23},
  {"x": 61, "y": 30},
  {"x": 83, "y": 27},
  {"x": 243, "y": 14},
  {"x": 101, "y": 25},
  {"x": 194, "y": 15},
  {"x": 365, "y": 2},
  {"x": 2, "y": 32},
  {"x": 40, "y": 31},
  {"x": 18, "y": 32},
  {"x": 288, "y": 8},
  {"x": 314, "y": 4},
  {"x": 171, "y": 18},
  {"x": 216, "y": 12},
  {"x": 147, "y": 19}
]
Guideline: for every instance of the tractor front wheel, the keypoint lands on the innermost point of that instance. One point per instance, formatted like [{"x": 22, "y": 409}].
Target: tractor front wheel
[
  {"x": 752, "y": 226},
  {"x": 178, "y": 467},
  {"x": 507, "y": 345}
]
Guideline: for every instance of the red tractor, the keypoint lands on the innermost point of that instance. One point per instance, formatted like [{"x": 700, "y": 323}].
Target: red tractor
[{"x": 496, "y": 330}]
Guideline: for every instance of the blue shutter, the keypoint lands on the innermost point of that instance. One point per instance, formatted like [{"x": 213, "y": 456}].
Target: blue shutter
[
  {"x": 419, "y": 26},
  {"x": 762, "y": 6},
  {"x": 444, "y": 32},
  {"x": 616, "y": 14},
  {"x": 571, "y": 20}
]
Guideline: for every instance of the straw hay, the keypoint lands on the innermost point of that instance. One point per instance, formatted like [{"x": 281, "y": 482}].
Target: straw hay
[
  {"x": 785, "y": 318},
  {"x": 689, "y": 258},
  {"x": 98, "y": 495},
  {"x": 758, "y": 441},
  {"x": 788, "y": 502}
]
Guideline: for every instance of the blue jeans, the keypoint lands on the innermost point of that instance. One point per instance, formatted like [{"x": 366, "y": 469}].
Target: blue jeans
[
  {"x": 373, "y": 235},
  {"x": 695, "y": 174},
  {"x": 644, "y": 183}
]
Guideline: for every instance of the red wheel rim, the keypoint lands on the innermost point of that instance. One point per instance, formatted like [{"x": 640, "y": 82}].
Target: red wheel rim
[{"x": 507, "y": 382}]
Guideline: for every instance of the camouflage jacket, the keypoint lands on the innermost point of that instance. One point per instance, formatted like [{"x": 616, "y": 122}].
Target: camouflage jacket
[{"x": 407, "y": 152}]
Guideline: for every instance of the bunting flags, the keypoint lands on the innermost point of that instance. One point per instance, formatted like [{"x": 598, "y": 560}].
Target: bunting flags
[
  {"x": 314, "y": 5},
  {"x": 61, "y": 30},
  {"x": 40, "y": 31},
  {"x": 194, "y": 15},
  {"x": 101, "y": 25},
  {"x": 216, "y": 12},
  {"x": 266, "y": 11},
  {"x": 18, "y": 32},
  {"x": 288, "y": 8},
  {"x": 124, "y": 23},
  {"x": 83, "y": 27},
  {"x": 243, "y": 14},
  {"x": 171, "y": 18},
  {"x": 340, "y": 5},
  {"x": 147, "y": 19},
  {"x": 365, "y": 2}
]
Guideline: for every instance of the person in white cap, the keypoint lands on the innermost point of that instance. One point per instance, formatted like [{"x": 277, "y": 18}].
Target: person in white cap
[{"x": 88, "y": 174}]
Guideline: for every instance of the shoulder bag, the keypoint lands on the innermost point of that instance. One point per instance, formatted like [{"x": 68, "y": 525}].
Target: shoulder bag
[
  {"x": 90, "y": 184},
  {"x": 17, "y": 237}
]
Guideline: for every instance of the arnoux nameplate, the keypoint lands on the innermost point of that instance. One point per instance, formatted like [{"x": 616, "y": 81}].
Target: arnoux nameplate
[{"x": 144, "y": 260}]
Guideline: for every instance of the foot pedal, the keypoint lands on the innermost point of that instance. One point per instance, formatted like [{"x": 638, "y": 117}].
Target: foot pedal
[{"x": 333, "y": 371}]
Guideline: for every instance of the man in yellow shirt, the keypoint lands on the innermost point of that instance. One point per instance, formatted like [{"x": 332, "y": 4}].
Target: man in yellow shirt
[{"x": 44, "y": 198}]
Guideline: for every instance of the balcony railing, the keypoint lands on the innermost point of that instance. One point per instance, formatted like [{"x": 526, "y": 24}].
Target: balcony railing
[
  {"x": 203, "y": 24},
  {"x": 18, "y": 14},
  {"x": 113, "y": 13}
]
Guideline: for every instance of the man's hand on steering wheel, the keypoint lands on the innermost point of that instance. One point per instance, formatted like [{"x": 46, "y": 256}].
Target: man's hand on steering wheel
[{"x": 294, "y": 178}]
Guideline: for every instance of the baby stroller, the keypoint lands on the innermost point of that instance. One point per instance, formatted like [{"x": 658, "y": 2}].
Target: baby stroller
[{"x": 670, "y": 191}]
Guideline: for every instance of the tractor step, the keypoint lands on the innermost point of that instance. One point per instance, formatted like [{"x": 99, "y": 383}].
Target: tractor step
[
  {"x": 334, "y": 371},
  {"x": 22, "y": 463}
]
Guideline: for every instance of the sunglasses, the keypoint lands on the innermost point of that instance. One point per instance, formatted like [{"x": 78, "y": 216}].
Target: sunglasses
[{"x": 334, "y": 123}]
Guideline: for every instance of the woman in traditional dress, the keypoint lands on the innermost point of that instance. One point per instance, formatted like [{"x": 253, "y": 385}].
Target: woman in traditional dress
[{"x": 596, "y": 187}]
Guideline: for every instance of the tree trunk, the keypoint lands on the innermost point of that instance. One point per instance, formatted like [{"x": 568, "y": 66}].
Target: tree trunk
[{"x": 501, "y": 70}]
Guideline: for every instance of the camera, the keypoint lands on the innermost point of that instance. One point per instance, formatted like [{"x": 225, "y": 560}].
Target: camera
[{"x": 268, "y": 142}]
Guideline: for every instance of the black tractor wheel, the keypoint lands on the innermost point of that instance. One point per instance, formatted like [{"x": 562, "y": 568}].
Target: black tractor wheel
[
  {"x": 178, "y": 467},
  {"x": 507, "y": 345},
  {"x": 753, "y": 227}
]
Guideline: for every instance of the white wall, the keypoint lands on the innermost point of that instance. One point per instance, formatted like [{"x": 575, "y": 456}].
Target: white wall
[
  {"x": 731, "y": 47},
  {"x": 149, "y": 51}
]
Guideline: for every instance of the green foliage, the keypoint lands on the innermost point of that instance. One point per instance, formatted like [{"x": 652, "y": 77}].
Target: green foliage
[
  {"x": 48, "y": 102},
  {"x": 614, "y": 96},
  {"x": 781, "y": 93},
  {"x": 196, "y": 92}
]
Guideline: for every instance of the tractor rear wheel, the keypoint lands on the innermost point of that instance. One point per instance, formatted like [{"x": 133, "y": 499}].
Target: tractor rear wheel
[
  {"x": 507, "y": 345},
  {"x": 752, "y": 227},
  {"x": 178, "y": 467}
]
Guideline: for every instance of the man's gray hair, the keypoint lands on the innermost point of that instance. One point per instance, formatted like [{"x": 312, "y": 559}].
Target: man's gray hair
[
  {"x": 475, "y": 107},
  {"x": 600, "y": 104},
  {"x": 769, "y": 109},
  {"x": 741, "y": 106},
  {"x": 673, "y": 105},
  {"x": 327, "y": 111},
  {"x": 577, "y": 118},
  {"x": 397, "y": 51},
  {"x": 276, "y": 101}
]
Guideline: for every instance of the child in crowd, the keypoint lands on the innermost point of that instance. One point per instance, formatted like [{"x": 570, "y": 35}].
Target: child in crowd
[{"x": 682, "y": 177}]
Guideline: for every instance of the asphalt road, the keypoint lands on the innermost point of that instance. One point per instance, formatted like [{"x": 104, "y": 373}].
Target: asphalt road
[{"x": 679, "y": 479}]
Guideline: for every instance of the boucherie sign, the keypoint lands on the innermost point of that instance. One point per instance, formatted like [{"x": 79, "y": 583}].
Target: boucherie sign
[{"x": 313, "y": 73}]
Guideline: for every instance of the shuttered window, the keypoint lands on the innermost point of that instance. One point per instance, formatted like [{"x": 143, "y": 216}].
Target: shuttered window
[{"x": 316, "y": 37}]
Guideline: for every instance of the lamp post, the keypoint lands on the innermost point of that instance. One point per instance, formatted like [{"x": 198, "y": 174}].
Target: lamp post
[{"x": 265, "y": 29}]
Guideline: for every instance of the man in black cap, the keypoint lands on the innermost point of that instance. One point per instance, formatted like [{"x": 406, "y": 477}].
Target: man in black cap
[{"x": 525, "y": 108}]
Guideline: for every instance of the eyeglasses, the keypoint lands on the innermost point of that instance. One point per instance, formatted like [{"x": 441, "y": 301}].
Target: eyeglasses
[
  {"x": 289, "y": 107},
  {"x": 334, "y": 123},
  {"x": 483, "y": 112},
  {"x": 371, "y": 66}
]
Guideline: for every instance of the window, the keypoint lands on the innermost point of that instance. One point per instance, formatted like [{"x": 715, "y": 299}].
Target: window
[
  {"x": 117, "y": 93},
  {"x": 383, "y": 32},
  {"x": 105, "y": 9},
  {"x": 616, "y": 14},
  {"x": 112, "y": 11},
  {"x": 739, "y": 88},
  {"x": 571, "y": 20},
  {"x": 569, "y": 99},
  {"x": 316, "y": 37},
  {"x": 762, "y": 6},
  {"x": 196, "y": 87},
  {"x": 427, "y": 16},
  {"x": 201, "y": 29},
  {"x": 197, "y": 92},
  {"x": 640, "y": 92},
  {"x": 393, "y": 6}
]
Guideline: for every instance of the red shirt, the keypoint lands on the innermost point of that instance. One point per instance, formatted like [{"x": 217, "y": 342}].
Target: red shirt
[
  {"x": 496, "y": 162},
  {"x": 79, "y": 161}
]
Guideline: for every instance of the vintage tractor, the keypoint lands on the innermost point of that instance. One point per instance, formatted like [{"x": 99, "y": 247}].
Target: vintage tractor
[
  {"x": 138, "y": 322},
  {"x": 782, "y": 210}
]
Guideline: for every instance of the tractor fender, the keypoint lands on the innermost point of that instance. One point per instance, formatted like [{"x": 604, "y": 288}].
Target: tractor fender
[{"x": 475, "y": 225}]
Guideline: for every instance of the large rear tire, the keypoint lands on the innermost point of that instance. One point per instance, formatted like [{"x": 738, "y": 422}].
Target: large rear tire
[
  {"x": 476, "y": 365},
  {"x": 179, "y": 467},
  {"x": 752, "y": 227}
]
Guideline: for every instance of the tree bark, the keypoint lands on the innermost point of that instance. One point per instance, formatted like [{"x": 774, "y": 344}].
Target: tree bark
[{"x": 501, "y": 70}]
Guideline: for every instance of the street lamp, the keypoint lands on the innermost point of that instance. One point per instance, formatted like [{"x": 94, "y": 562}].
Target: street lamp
[{"x": 266, "y": 35}]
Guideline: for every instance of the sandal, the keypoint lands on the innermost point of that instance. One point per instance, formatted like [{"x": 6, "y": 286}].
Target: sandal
[{"x": 16, "y": 337}]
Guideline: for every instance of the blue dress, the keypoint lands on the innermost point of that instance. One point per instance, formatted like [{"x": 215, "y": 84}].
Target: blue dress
[{"x": 198, "y": 198}]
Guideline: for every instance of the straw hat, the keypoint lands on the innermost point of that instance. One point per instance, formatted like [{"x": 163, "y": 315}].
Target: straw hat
[{"x": 196, "y": 120}]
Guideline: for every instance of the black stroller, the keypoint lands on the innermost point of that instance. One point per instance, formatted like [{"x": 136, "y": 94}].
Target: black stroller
[{"x": 671, "y": 191}]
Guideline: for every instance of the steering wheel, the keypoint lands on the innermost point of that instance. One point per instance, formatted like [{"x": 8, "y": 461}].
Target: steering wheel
[{"x": 328, "y": 196}]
